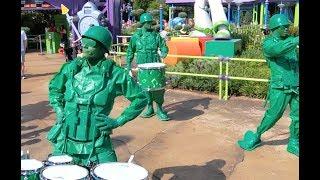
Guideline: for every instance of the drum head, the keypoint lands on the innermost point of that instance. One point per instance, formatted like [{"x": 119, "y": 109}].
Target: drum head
[
  {"x": 60, "y": 159},
  {"x": 151, "y": 65},
  {"x": 120, "y": 171},
  {"x": 30, "y": 164},
  {"x": 65, "y": 172}
]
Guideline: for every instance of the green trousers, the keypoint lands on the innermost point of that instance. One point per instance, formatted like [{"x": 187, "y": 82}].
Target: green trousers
[
  {"x": 156, "y": 96},
  {"x": 279, "y": 99}
]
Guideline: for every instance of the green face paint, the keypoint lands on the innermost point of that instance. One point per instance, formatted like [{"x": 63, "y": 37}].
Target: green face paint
[
  {"x": 147, "y": 25},
  {"x": 283, "y": 30},
  {"x": 91, "y": 49}
]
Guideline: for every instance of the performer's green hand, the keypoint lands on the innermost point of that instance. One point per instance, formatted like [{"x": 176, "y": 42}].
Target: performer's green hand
[{"x": 106, "y": 123}]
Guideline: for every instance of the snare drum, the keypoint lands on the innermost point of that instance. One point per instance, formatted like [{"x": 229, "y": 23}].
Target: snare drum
[
  {"x": 151, "y": 76},
  {"x": 118, "y": 171},
  {"x": 30, "y": 169},
  {"x": 64, "y": 171},
  {"x": 61, "y": 159}
]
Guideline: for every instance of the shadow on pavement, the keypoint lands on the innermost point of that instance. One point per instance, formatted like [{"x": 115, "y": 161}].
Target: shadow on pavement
[
  {"x": 25, "y": 128},
  {"x": 30, "y": 142},
  {"x": 38, "y": 75},
  {"x": 39, "y": 110},
  {"x": 121, "y": 140},
  {"x": 34, "y": 134},
  {"x": 27, "y": 92},
  {"x": 276, "y": 142},
  {"x": 210, "y": 171},
  {"x": 184, "y": 110}
]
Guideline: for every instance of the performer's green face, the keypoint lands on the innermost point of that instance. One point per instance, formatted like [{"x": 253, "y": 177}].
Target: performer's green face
[
  {"x": 92, "y": 49},
  {"x": 282, "y": 31},
  {"x": 147, "y": 25}
]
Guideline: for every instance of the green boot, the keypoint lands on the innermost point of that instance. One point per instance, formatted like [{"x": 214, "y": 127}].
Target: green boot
[
  {"x": 250, "y": 141},
  {"x": 149, "y": 113},
  {"x": 293, "y": 146},
  {"x": 162, "y": 115}
]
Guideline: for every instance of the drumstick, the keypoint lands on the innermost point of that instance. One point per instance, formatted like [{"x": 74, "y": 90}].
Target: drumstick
[{"x": 131, "y": 158}]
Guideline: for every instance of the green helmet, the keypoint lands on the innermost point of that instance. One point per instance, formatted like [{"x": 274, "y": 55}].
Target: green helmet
[
  {"x": 100, "y": 34},
  {"x": 278, "y": 20},
  {"x": 145, "y": 17}
]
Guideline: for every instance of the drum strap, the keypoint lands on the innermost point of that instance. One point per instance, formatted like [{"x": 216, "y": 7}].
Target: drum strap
[
  {"x": 93, "y": 142},
  {"x": 65, "y": 139}
]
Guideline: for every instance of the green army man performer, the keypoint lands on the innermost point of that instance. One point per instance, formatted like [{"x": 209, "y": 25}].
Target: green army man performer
[
  {"x": 82, "y": 95},
  {"x": 146, "y": 42},
  {"x": 280, "y": 51}
]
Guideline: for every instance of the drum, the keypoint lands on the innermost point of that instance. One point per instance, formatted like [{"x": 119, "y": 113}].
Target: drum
[
  {"x": 64, "y": 171},
  {"x": 118, "y": 171},
  {"x": 30, "y": 169},
  {"x": 56, "y": 160},
  {"x": 151, "y": 76}
]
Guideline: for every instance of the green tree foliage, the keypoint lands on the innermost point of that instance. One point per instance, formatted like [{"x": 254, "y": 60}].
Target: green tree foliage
[
  {"x": 36, "y": 21},
  {"x": 141, "y": 4}
]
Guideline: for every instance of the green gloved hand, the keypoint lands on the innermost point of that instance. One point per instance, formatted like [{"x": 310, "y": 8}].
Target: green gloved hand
[{"x": 106, "y": 123}]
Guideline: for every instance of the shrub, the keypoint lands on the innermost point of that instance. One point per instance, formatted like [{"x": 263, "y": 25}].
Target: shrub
[
  {"x": 182, "y": 14},
  {"x": 191, "y": 82},
  {"x": 137, "y": 12},
  {"x": 294, "y": 30},
  {"x": 236, "y": 87},
  {"x": 252, "y": 38}
]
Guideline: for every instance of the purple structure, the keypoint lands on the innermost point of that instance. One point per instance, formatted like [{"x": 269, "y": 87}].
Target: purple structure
[{"x": 112, "y": 12}]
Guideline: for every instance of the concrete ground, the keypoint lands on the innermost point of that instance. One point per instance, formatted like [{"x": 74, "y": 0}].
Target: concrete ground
[{"x": 198, "y": 143}]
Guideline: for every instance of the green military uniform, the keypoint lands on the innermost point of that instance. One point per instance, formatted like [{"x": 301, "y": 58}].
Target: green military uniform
[
  {"x": 281, "y": 56},
  {"x": 146, "y": 42},
  {"x": 82, "y": 94}
]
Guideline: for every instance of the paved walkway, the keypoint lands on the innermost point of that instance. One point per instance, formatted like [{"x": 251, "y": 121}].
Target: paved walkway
[{"x": 198, "y": 144}]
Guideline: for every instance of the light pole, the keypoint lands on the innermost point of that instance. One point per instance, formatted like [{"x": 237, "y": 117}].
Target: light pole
[
  {"x": 266, "y": 14},
  {"x": 161, "y": 17},
  {"x": 229, "y": 8},
  {"x": 281, "y": 6},
  {"x": 238, "y": 19}
]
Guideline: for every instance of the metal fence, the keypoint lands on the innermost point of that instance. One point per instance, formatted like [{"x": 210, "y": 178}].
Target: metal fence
[
  {"x": 223, "y": 76},
  {"x": 36, "y": 42}
]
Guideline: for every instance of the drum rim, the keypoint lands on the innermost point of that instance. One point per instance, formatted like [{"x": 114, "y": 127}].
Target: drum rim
[
  {"x": 44, "y": 168},
  {"x": 59, "y": 162},
  {"x": 153, "y": 89},
  {"x": 163, "y": 65},
  {"x": 32, "y": 169},
  {"x": 95, "y": 166}
]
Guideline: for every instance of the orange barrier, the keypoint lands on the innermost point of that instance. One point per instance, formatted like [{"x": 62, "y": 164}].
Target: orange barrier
[
  {"x": 182, "y": 46},
  {"x": 202, "y": 43}
]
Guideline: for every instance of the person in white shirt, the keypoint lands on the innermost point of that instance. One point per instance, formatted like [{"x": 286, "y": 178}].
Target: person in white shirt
[{"x": 23, "y": 52}]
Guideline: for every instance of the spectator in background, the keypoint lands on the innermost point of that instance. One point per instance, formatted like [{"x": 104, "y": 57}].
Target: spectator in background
[
  {"x": 23, "y": 52},
  {"x": 52, "y": 28},
  {"x": 66, "y": 44}
]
